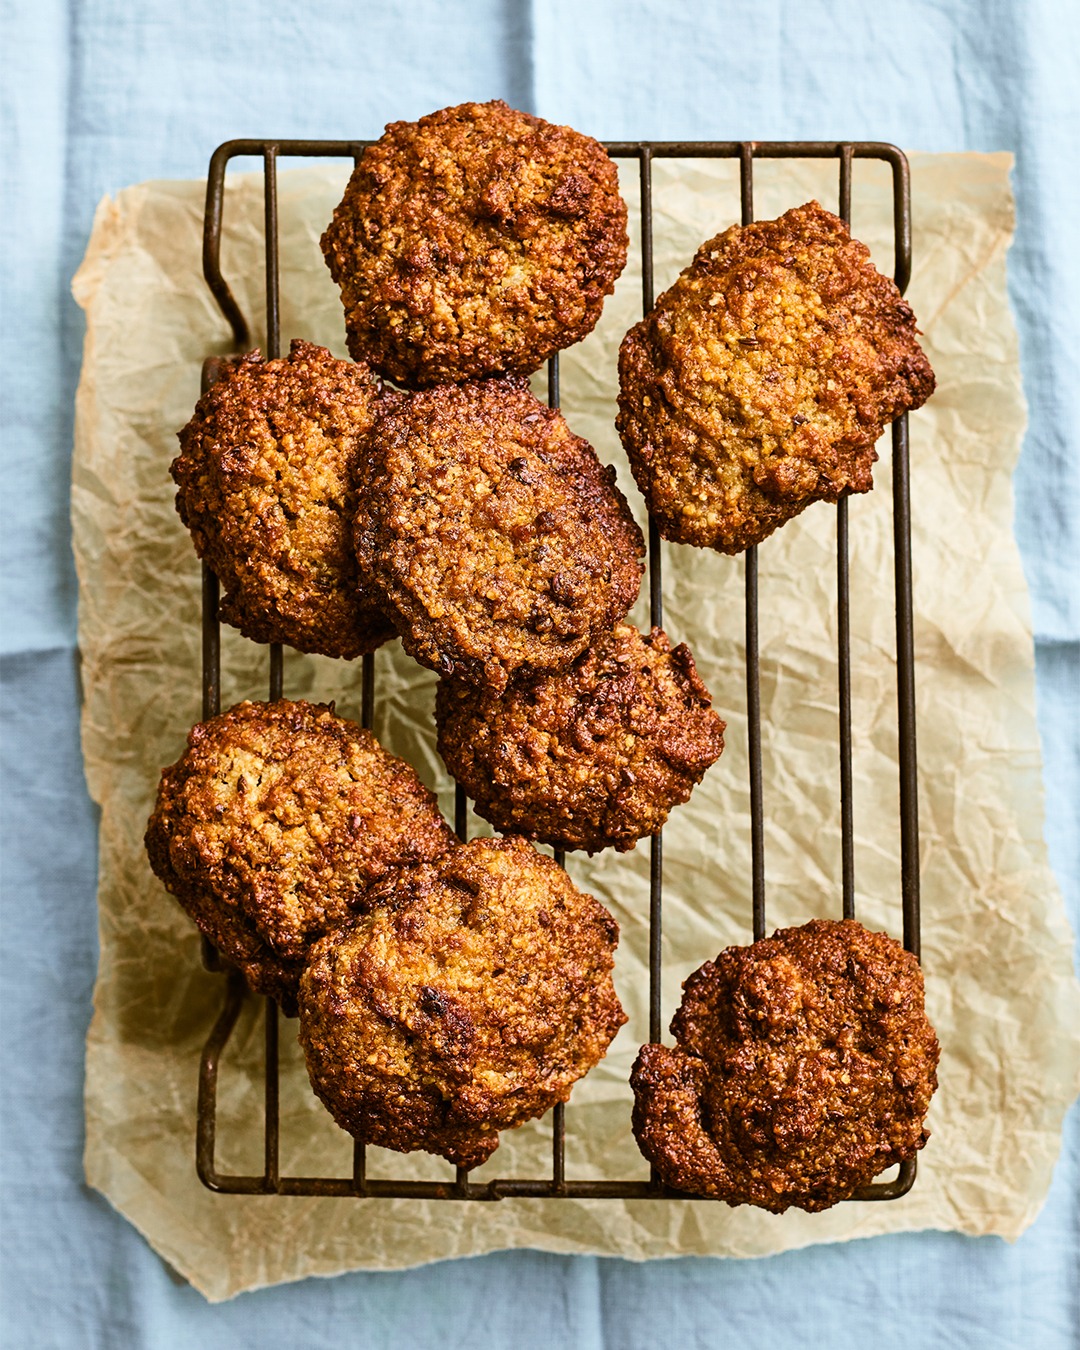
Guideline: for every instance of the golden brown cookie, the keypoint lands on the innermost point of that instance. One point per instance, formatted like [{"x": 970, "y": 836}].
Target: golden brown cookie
[
  {"x": 761, "y": 380},
  {"x": 265, "y": 477},
  {"x": 272, "y": 823},
  {"x": 804, "y": 1066},
  {"x": 476, "y": 241},
  {"x": 470, "y": 998},
  {"x": 592, "y": 757},
  {"x": 493, "y": 535}
]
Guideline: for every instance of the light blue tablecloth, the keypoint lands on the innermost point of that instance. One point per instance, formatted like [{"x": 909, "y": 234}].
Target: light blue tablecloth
[{"x": 97, "y": 94}]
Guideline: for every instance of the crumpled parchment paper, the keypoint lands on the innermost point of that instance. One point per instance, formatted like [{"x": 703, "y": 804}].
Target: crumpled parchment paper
[{"x": 996, "y": 943}]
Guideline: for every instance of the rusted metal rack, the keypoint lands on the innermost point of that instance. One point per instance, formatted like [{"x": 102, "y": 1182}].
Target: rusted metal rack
[{"x": 359, "y": 1184}]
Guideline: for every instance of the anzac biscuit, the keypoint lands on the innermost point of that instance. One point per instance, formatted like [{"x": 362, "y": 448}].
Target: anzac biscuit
[
  {"x": 494, "y": 537},
  {"x": 470, "y": 998},
  {"x": 265, "y": 476},
  {"x": 477, "y": 241},
  {"x": 272, "y": 823},
  {"x": 761, "y": 380},
  {"x": 804, "y": 1066},
  {"x": 593, "y": 757}
]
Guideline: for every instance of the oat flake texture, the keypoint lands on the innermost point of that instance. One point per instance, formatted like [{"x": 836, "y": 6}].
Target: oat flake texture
[{"x": 997, "y": 950}]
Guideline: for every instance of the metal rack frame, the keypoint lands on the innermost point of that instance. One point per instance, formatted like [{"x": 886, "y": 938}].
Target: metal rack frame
[{"x": 558, "y": 1185}]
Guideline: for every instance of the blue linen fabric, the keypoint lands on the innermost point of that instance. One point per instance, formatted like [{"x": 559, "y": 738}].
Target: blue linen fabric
[{"x": 97, "y": 94}]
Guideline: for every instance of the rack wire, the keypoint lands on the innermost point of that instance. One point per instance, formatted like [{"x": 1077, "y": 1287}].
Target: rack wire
[{"x": 558, "y": 1185}]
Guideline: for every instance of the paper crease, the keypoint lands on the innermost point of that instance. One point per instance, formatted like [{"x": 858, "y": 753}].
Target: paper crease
[{"x": 997, "y": 948}]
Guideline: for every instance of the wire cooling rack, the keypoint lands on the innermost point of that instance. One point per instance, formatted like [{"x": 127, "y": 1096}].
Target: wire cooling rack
[{"x": 558, "y": 1185}]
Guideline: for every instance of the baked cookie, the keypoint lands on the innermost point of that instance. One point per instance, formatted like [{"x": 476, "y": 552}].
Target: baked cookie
[
  {"x": 265, "y": 477},
  {"x": 471, "y": 996},
  {"x": 762, "y": 379},
  {"x": 804, "y": 1066},
  {"x": 494, "y": 537},
  {"x": 477, "y": 241},
  {"x": 273, "y": 822},
  {"x": 592, "y": 757}
]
